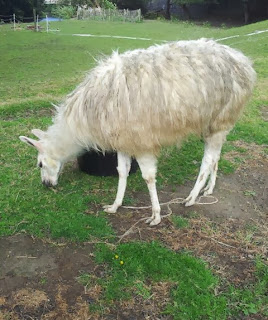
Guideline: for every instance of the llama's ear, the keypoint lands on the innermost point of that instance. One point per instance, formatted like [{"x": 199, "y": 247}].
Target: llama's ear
[
  {"x": 31, "y": 142},
  {"x": 39, "y": 133},
  {"x": 55, "y": 106}
]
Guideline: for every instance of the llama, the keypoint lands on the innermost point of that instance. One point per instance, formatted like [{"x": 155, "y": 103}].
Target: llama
[{"x": 139, "y": 101}]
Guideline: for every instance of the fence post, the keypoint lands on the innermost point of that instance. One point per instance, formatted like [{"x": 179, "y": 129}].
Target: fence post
[
  {"x": 14, "y": 21},
  {"x": 139, "y": 15},
  {"x": 34, "y": 16},
  {"x": 37, "y": 26},
  {"x": 47, "y": 23}
]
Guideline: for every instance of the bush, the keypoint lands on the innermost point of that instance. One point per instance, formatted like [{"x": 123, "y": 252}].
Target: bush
[
  {"x": 153, "y": 15},
  {"x": 64, "y": 12},
  {"x": 106, "y": 4}
]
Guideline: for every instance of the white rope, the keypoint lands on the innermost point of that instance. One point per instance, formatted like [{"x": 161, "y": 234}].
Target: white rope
[
  {"x": 244, "y": 35},
  {"x": 149, "y": 39},
  {"x": 173, "y": 201},
  {"x": 108, "y": 36},
  {"x": 176, "y": 201}
]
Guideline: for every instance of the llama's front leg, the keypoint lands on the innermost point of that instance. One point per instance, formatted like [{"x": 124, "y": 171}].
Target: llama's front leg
[
  {"x": 148, "y": 166},
  {"x": 123, "y": 167}
]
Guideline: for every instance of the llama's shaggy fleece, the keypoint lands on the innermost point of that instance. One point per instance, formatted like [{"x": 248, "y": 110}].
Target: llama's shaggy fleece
[{"x": 141, "y": 100}]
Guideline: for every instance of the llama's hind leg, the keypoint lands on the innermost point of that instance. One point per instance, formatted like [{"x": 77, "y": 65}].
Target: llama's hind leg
[
  {"x": 212, "y": 180},
  {"x": 123, "y": 167},
  {"x": 148, "y": 166},
  {"x": 209, "y": 166}
]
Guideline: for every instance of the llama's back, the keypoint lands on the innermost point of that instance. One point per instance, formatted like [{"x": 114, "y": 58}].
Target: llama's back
[{"x": 144, "y": 99}]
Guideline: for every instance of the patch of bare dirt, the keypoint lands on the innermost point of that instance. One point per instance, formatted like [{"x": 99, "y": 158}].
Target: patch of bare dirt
[
  {"x": 264, "y": 113},
  {"x": 38, "y": 279}
]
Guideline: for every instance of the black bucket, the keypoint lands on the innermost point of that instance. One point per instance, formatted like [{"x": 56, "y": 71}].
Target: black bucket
[{"x": 97, "y": 164}]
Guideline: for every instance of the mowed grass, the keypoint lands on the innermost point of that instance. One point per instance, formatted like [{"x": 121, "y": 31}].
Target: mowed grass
[
  {"x": 46, "y": 66},
  {"x": 39, "y": 68}
]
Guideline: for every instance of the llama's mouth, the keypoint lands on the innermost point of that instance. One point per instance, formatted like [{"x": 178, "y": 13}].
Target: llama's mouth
[{"x": 48, "y": 183}]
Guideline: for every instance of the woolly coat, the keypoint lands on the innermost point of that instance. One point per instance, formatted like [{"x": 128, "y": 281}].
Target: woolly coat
[{"x": 140, "y": 100}]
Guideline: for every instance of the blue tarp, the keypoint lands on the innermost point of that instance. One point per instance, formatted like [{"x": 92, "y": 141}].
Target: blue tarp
[{"x": 50, "y": 19}]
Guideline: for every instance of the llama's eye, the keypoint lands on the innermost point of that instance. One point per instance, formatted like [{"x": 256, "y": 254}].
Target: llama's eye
[{"x": 40, "y": 165}]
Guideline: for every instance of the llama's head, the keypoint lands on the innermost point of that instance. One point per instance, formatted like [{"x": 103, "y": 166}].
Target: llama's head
[{"x": 49, "y": 164}]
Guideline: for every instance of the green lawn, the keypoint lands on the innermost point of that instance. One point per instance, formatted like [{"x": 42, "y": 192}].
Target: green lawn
[{"x": 39, "y": 68}]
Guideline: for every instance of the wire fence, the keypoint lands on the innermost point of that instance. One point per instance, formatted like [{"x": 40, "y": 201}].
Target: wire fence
[
  {"x": 14, "y": 18},
  {"x": 109, "y": 14},
  {"x": 14, "y": 23}
]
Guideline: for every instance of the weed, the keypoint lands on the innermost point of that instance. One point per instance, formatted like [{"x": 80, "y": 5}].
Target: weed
[
  {"x": 180, "y": 222},
  {"x": 206, "y": 24},
  {"x": 142, "y": 290},
  {"x": 43, "y": 281},
  {"x": 85, "y": 279},
  {"x": 249, "y": 193}
]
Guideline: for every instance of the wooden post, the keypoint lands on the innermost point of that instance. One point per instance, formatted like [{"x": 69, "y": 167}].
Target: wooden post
[
  {"x": 246, "y": 11},
  {"x": 14, "y": 21},
  {"x": 47, "y": 22},
  {"x": 34, "y": 16},
  {"x": 37, "y": 26}
]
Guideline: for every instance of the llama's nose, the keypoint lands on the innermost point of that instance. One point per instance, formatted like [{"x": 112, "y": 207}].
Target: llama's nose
[{"x": 47, "y": 183}]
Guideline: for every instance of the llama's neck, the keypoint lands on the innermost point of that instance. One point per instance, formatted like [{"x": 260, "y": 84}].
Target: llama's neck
[{"x": 61, "y": 143}]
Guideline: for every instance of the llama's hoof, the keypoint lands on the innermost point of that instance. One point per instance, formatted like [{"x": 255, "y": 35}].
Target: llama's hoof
[
  {"x": 207, "y": 193},
  {"x": 189, "y": 201},
  {"x": 149, "y": 220},
  {"x": 155, "y": 222},
  {"x": 110, "y": 208}
]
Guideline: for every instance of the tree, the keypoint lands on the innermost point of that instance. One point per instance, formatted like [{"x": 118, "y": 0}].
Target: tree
[
  {"x": 168, "y": 6},
  {"x": 90, "y": 3},
  {"x": 132, "y": 4},
  {"x": 20, "y": 7},
  {"x": 250, "y": 9},
  {"x": 184, "y": 5}
]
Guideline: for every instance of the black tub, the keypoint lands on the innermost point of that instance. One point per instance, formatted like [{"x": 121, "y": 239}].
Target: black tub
[{"x": 97, "y": 164}]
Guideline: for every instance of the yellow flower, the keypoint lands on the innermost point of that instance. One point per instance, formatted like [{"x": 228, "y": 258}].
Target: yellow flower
[
  {"x": 121, "y": 262},
  {"x": 116, "y": 256}
]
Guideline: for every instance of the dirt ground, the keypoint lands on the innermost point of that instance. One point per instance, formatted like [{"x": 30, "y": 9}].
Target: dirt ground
[{"x": 38, "y": 278}]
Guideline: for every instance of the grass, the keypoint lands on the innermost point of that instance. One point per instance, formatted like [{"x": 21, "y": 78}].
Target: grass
[
  {"x": 193, "y": 284},
  {"x": 253, "y": 298},
  {"x": 132, "y": 269},
  {"x": 37, "y": 69},
  {"x": 180, "y": 222}
]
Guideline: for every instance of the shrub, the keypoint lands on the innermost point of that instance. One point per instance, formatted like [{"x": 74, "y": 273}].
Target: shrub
[{"x": 64, "y": 12}]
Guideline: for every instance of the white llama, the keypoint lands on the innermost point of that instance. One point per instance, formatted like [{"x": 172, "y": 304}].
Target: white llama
[{"x": 136, "y": 102}]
